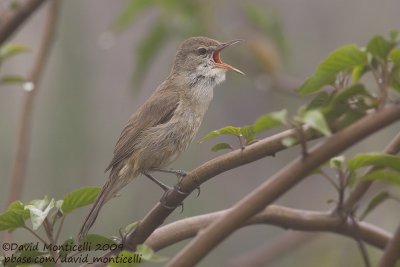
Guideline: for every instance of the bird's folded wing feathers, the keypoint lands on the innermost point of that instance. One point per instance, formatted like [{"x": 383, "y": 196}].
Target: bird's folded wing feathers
[{"x": 155, "y": 111}]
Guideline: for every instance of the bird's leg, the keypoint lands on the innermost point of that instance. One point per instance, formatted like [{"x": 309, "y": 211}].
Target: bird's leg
[
  {"x": 178, "y": 173},
  {"x": 159, "y": 183},
  {"x": 166, "y": 189}
]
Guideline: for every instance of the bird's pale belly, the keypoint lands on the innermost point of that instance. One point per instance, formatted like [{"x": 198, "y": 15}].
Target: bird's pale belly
[{"x": 161, "y": 145}]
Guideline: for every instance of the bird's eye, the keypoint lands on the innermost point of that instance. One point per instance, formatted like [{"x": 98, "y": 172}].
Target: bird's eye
[{"x": 202, "y": 50}]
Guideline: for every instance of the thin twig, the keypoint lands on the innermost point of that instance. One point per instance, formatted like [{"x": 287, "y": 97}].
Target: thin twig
[
  {"x": 330, "y": 180},
  {"x": 36, "y": 235},
  {"x": 24, "y": 129},
  {"x": 49, "y": 233},
  {"x": 9, "y": 24},
  {"x": 59, "y": 228},
  {"x": 358, "y": 238}
]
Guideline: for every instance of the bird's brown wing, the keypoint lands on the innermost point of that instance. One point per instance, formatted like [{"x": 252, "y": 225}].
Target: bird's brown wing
[{"x": 156, "y": 110}]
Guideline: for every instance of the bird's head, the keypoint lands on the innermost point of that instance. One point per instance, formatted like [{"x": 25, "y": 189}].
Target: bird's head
[{"x": 200, "y": 57}]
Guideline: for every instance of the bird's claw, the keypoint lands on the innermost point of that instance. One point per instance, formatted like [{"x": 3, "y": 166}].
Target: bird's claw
[{"x": 163, "y": 201}]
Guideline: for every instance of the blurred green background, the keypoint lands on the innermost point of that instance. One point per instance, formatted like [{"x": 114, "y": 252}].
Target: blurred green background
[{"x": 109, "y": 56}]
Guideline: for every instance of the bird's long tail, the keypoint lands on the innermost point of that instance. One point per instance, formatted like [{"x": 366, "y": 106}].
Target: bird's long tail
[{"x": 106, "y": 193}]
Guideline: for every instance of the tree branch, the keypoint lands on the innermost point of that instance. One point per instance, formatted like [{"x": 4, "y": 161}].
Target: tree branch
[
  {"x": 287, "y": 218},
  {"x": 9, "y": 24},
  {"x": 157, "y": 215},
  {"x": 391, "y": 254},
  {"x": 280, "y": 183}
]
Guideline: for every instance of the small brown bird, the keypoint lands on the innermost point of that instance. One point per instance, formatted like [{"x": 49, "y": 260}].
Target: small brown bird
[{"x": 164, "y": 126}]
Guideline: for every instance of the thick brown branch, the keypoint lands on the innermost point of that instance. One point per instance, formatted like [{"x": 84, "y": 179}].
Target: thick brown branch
[
  {"x": 10, "y": 23},
  {"x": 286, "y": 218},
  {"x": 22, "y": 145},
  {"x": 391, "y": 254},
  {"x": 280, "y": 183}
]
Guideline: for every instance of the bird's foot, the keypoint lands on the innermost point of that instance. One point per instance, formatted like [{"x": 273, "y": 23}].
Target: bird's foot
[{"x": 163, "y": 201}]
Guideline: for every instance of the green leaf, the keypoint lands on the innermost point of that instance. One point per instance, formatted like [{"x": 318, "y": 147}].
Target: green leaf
[
  {"x": 394, "y": 36},
  {"x": 79, "y": 198},
  {"x": 39, "y": 212},
  {"x": 395, "y": 56},
  {"x": 221, "y": 146},
  {"x": 97, "y": 240},
  {"x": 343, "y": 59},
  {"x": 379, "y": 47},
  {"x": 315, "y": 119},
  {"x": 383, "y": 175},
  {"x": 9, "y": 50},
  {"x": 375, "y": 202},
  {"x": 148, "y": 48},
  {"x": 289, "y": 141},
  {"x": 270, "y": 121},
  {"x": 11, "y": 220},
  {"x": 133, "y": 8},
  {"x": 318, "y": 101},
  {"x": 226, "y": 130},
  {"x": 19, "y": 208},
  {"x": 337, "y": 162},
  {"x": 148, "y": 254},
  {"x": 374, "y": 159},
  {"x": 12, "y": 80},
  {"x": 248, "y": 133}
]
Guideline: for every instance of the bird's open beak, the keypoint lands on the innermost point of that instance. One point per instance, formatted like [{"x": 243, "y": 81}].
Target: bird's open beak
[{"x": 217, "y": 59}]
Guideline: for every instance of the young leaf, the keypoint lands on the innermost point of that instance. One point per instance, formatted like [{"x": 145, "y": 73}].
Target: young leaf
[
  {"x": 383, "y": 175},
  {"x": 337, "y": 162},
  {"x": 226, "y": 130},
  {"x": 342, "y": 59},
  {"x": 79, "y": 198},
  {"x": 12, "y": 80},
  {"x": 270, "y": 121},
  {"x": 375, "y": 201},
  {"x": 9, "y": 50},
  {"x": 379, "y": 47},
  {"x": 221, "y": 146},
  {"x": 39, "y": 213},
  {"x": 248, "y": 133},
  {"x": 315, "y": 119},
  {"x": 374, "y": 159}
]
